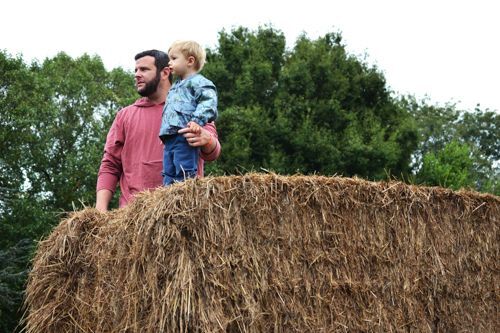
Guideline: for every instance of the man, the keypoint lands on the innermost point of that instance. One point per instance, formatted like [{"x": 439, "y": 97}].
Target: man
[{"x": 133, "y": 152}]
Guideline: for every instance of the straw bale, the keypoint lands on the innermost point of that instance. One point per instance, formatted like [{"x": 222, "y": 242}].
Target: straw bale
[{"x": 269, "y": 253}]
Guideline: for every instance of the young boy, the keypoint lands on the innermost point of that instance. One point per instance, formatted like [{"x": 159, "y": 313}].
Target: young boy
[{"x": 192, "y": 101}]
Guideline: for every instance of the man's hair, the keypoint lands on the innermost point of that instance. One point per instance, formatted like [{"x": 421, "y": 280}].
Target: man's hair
[
  {"x": 161, "y": 60},
  {"x": 191, "y": 48}
]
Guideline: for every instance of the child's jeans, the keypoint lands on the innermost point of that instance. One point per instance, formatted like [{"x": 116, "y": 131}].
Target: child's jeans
[{"x": 180, "y": 160}]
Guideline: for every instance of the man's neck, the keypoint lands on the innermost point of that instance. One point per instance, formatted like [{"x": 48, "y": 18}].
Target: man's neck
[
  {"x": 159, "y": 96},
  {"x": 155, "y": 99}
]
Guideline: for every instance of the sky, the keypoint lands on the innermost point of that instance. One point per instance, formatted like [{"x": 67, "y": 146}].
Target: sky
[{"x": 442, "y": 51}]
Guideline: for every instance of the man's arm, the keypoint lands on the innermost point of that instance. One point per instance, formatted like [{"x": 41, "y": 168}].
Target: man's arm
[
  {"x": 111, "y": 165},
  {"x": 207, "y": 139}
]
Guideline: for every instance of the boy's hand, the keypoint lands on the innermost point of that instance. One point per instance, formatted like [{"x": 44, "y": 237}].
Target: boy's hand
[
  {"x": 194, "y": 127},
  {"x": 202, "y": 139},
  {"x": 195, "y": 135}
]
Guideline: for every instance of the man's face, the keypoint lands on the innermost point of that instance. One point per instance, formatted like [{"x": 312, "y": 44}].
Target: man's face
[{"x": 147, "y": 77}]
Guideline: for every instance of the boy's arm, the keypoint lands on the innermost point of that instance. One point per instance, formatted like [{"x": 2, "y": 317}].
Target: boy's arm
[{"x": 206, "y": 102}]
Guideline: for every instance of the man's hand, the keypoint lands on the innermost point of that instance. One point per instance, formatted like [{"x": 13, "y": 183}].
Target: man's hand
[{"x": 197, "y": 136}]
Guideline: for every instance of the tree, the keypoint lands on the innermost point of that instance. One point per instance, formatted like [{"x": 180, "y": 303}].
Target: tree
[
  {"x": 476, "y": 130},
  {"x": 246, "y": 66},
  {"x": 450, "y": 167},
  {"x": 346, "y": 105},
  {"x": 246, "y": 139},
  {"x": 481, "y": 131},
  {"x": 314, "y": 109}
]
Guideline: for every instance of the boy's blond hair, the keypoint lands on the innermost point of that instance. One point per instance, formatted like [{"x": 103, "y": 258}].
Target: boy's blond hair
[{"x": 190, "y": 48}]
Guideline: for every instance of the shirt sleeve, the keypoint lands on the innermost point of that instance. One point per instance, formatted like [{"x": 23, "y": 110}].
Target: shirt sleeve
[
  {"x": 111, "y": 163},
  {"x": 214, "y": 154}
]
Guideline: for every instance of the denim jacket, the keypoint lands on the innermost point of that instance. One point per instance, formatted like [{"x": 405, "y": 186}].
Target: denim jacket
[{"x": 191, "y": 99}]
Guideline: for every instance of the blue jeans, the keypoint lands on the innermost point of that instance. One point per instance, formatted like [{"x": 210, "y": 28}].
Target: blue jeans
[{"x": 180, "y": 160}]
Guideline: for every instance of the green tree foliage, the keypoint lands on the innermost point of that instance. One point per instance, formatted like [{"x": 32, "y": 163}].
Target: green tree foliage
[
  {"x": 314, "y": 109},
  {"x": 477, "y": 131},
  {"x": 481, "y": 131},
  {"x": 13, "y": 273},
  {"x": 54, "y": 118},
  {"x": 246, "y": 140},
  {"x": 246, "y": 67},
  {"x": 450, "y": 167}
]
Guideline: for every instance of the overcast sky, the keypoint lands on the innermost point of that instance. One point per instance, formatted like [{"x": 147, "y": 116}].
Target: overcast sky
[{"x": 445, "y": 50}]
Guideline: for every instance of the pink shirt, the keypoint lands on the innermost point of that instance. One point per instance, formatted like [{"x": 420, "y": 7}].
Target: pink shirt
[{"x": 133, "y": 153}]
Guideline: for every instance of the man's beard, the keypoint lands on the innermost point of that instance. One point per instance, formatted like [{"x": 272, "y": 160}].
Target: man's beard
[{"x": 150, "y": 87}]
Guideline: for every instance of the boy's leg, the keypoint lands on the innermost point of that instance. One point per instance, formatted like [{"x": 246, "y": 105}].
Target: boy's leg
[
  {"x": 168, "y": 161},
  {"x": 185, "y": 159}
]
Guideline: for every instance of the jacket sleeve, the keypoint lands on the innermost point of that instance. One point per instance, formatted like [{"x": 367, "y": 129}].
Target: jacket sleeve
[
  {"x": 111, "y": 169},
  {"x": 206, "y": 102},
  {"x": 214, "y": 154}
]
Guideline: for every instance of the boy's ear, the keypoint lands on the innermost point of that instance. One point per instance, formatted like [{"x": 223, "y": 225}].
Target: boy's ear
[
  {"x": 191, "y": 60},
  {"x": 166, "y": 71}
]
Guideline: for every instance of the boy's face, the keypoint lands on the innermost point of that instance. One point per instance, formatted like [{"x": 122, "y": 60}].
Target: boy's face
[{"x": 179, "y": 64}]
